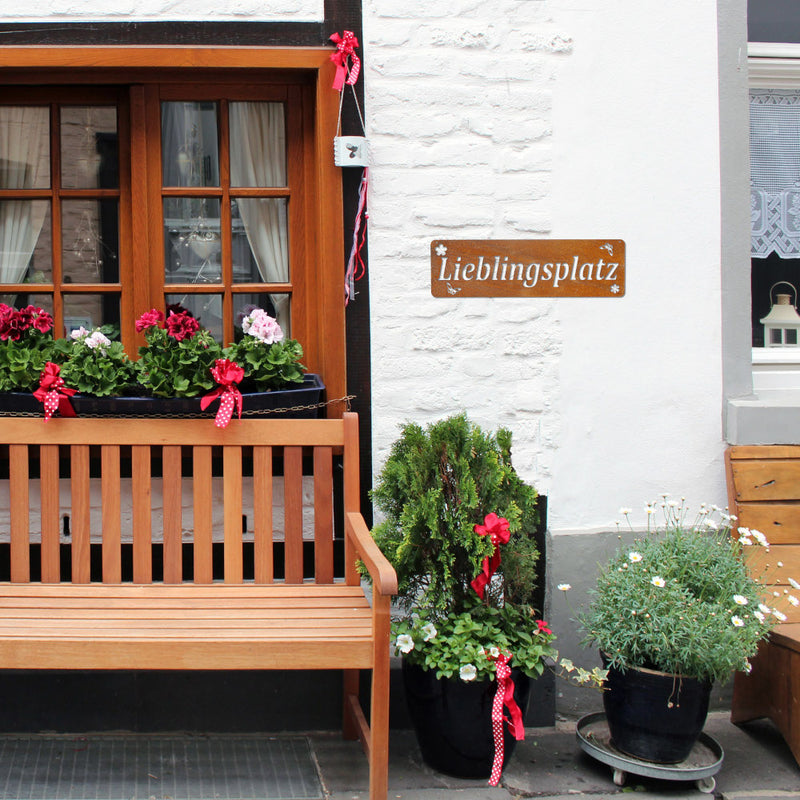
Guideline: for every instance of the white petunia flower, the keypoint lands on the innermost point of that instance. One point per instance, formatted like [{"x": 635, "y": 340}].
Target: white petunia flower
[
  {"x": 429, "y": 631},
  {"x": 468, "y": 672},
  {"x": 494, "y": 652},
  {"x": 404, "y": 643}
]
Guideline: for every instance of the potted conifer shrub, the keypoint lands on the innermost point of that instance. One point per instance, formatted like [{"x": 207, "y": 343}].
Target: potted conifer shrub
[{"x": 459, "y": 530}]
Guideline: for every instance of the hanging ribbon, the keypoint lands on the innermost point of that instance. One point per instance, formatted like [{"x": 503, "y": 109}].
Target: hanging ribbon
[
  {"x": 504, "y": 696},
  {"x": 355, "y": 263},
  {"x": 227, "y": 374},
  {"x": 53, "y": 392},
  {"x": 345, "y": 48},
  {"x": 497, "y": 528}
]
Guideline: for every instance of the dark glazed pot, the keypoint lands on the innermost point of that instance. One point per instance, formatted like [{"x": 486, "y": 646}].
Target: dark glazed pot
[
  {"x": 655, "y": 716},
  {"x": 453, "y": 720}
]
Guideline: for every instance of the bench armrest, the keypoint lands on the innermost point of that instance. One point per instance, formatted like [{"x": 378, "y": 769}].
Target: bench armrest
[{"x": 384, "y": 578}]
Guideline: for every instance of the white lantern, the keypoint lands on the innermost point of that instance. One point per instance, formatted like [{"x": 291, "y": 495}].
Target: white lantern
[{"x": 782, "y": 324}]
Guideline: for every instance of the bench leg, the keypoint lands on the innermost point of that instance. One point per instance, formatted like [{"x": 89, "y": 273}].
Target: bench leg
[
  {"x": 351, "y": 728},
  {"x": 379, "y": 733}
]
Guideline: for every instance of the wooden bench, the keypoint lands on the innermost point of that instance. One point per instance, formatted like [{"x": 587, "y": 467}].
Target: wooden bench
[
  {"x": 139, "y": 487},
  {"x": 764, "y": 494}
]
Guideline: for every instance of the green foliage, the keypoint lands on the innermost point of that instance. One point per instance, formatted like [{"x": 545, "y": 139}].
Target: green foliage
[
  {"x": 681, "y": 599},
  {"x": 95, "y": 365},
  {"x": 168, "y": 367},
  {"x": 468, "y": 639},
  {"x": 22, "y": 362},
  {"x": 266, "y": 366},
  {"x": 436, "y": 485}
]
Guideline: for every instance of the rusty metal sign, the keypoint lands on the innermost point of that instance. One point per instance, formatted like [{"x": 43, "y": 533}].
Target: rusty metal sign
[{"x": 528, "y": 268}]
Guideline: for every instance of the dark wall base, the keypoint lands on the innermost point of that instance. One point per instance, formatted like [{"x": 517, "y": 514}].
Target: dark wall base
[{"x": 219, "y": 702}]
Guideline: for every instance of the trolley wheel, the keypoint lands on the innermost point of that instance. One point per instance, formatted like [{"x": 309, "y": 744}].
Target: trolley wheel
[
  {"x": 619, "y": 777},
  {"x": 706, "y": 785}
]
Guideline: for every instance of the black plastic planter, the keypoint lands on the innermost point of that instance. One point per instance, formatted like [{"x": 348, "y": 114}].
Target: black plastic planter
[
  {"x": 453, "y": 720},
  {"x": 655, "y": 716}
]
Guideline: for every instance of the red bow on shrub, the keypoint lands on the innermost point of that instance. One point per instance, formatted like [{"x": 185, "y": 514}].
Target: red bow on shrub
[
  {"x": 497, "y": 528},
  {"x": 226, "y": 373},
  {"x": 54, "y": 393},
  {"x": 345, "y": 48}
]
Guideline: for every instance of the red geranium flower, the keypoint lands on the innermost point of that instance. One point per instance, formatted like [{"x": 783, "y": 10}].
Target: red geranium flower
[
  {"x": 149, "y": 319},
  {"x": 543, "y": 626},
  {"x": 182, "y": 326}
]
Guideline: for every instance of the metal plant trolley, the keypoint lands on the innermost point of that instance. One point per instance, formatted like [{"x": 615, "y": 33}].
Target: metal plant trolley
[{"x": 701, "y": 765}]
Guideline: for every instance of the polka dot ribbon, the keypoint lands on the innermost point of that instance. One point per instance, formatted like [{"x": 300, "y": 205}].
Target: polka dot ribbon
[
  {"x": 53, "y": 393},
  {"x": 345, "y": 48},
  {"x": 504, "y": 696},
  {"x": 496, "y": 528},
  {"x": 227, "y": 374}
]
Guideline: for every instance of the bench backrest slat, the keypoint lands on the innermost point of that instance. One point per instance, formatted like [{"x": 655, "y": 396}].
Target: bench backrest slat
[
  {"x": 20, "y": 514},
  {"x": 51, "y": 535},
  {"x": 173, "y": 500},
  {"x": 203, "y": 510},
  {"x": 263, "y": 566},
  {"x": 112, "y": 528},
  {"x": 81, "y": 508}
]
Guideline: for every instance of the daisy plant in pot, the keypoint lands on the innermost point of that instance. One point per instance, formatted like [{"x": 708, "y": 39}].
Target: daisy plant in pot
[
  {"x": 684, "y": 605},
  {"x": 459, "y": 528}
]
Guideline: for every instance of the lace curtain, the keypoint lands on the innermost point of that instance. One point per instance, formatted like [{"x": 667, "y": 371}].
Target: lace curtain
[{"x": 24, "y": 164}]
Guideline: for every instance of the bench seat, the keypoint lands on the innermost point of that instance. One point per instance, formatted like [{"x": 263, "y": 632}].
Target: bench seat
[{"x": 68, "y": 626}]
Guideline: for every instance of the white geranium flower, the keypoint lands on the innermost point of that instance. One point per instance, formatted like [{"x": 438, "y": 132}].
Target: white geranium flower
[
  {"x": 657, "y": 580},
  {"x": 737, "y": 621},
  {"x": 404, "y": 643},
  {"x": 468, "y": 672},
  {"x": 429, "y": 631},
  {"x": 740, "y": 600}
]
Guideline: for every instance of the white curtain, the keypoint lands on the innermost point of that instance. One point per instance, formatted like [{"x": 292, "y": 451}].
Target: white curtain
[
  {"x": 258, "y": 158},
  {"x": 24, "y": 164},
  {"x": 775, "y": 173}
]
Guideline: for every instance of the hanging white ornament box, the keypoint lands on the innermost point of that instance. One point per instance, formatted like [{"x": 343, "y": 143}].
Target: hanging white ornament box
[{"x": 350, "y": 151}]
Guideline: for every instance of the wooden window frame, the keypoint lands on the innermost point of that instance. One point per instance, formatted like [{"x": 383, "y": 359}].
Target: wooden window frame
[{"x": 320, "y": 321}]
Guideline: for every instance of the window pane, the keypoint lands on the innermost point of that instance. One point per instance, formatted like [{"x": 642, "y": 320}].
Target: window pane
[
  {"x": 43, "y": 301},
  {"x": 276, "y": 305},
  {"x": 24, "y": 147},
  {"x": 90, "y": 311},
  {"x": 89, "y": 147},
  {"x": 205, "y": 308},
  {"x": 258, "y": 144},
  {"x": 260, "y": 240},
  {"x": 89, "y": 234},
  {"x": 192, "y": 240},
  {"x": 25, "y": 251},
  {"x": 189, "y": 149}
]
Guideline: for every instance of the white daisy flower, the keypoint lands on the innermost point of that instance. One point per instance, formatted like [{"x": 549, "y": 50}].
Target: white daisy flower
[
  {"x": 564, "y": 587},
  {"x": 737, "y": 621},
  {"x": 657, "y": 580},
  {"x": 634, "y": 557},
  {"x": 740, "y": 600}
]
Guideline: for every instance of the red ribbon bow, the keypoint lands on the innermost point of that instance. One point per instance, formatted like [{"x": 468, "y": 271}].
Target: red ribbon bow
[
  {"x": 54, "y": 393},
  {"x": 504, "y": 696},
  {"x": 345, "y": 48},
  {"x": 226, "y": 373},
  {"x": 497, "y": 528}
]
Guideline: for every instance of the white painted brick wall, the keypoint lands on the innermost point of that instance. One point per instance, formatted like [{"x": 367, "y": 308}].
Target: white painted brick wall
[
  {"x": 162, "y": 10},
  {"x": 459, "y": 102}
]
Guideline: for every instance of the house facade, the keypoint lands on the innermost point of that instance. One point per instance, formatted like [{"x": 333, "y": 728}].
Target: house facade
[{"x": 509, "y": 120}]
